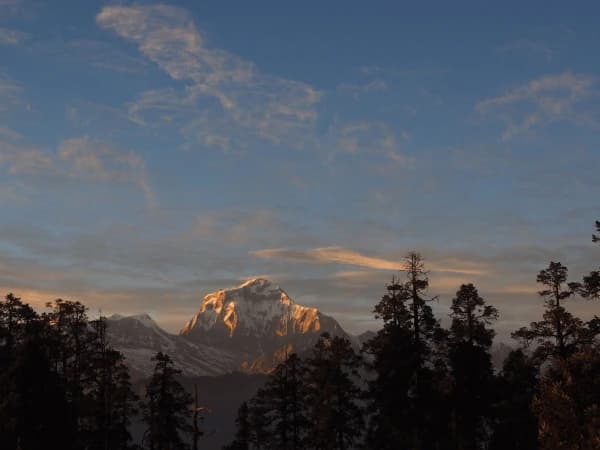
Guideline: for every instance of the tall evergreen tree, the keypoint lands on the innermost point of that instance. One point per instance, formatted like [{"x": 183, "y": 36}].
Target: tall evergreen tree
[
  {"x": 568, "y": 403},
  {"x": 333, "y": 396},
  {"x": 281, "y": 404},
  {"x": 34, "y": 413},
  {"x": 243, "y": 434},
  {"x": 69, "y": 342},
  {"x": 591, "y": 283},
  {"x": 408, "y": 366},
  {"x": 166, "y": 410},
  {"x": 515, "y": 424},
  {"x": 559, "y": 333},
  {"x": 471, "y": 366},
  {"x": 110, "y": 400}
]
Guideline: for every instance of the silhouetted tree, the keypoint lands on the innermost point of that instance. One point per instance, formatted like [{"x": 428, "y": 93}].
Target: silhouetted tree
[
  {"x": 590, "y": 287},
  {"x": 408, "y": 367},
  {"x": 70, "y": 353},
  {"x": 281, "y": 404},
  {"x": 34, "y": 413},
  {"x": 559, "y": 333},
  {"x": 568, "y": 403},
  {"x": 515, "y": 426},
  {"x": 166, "y": 410},
  {"x": 471, "y": 367},
  {"x": 110, "y": 399},
  {"x": 243, "y": 434},
  {"x": 334, "y": 410}
]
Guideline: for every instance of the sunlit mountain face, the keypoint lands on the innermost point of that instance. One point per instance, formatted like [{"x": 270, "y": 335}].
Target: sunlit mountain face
[{"x": 251, "y": 327}]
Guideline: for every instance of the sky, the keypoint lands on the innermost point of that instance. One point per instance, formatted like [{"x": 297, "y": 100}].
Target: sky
[{"x": 153, "y": 152}]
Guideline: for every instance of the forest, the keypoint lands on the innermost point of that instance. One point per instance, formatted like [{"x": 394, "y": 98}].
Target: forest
[{"x": 413, "y": 385}]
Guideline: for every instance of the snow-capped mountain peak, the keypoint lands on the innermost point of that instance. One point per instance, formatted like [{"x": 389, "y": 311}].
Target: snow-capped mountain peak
[
  {"x": 255, "y": 320},
  {"x": 254, "y": 307}
]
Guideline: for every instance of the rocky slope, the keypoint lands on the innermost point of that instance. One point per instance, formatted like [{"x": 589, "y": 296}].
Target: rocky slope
[
  {"x": 250, "y": 328},
  {"x": 139, "y": 338},
  {"x": 259, "y": 323}
]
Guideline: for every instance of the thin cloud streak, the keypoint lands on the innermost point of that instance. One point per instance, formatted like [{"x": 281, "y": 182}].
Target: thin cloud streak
[
  {"x": 342, "y": 255},
  {"x": 81, "y": 158},
  {"x": 542, "y": 101}
]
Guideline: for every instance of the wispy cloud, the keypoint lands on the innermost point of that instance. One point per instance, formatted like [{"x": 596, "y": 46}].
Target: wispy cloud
[
  {"x": 225, "y": 98},
  {"x": 9, "y": 36},
  {"x": 356, "y": 90},
  {"x": 341, "y": 255},
  {"x": 372, "y": 138},
  {"x": 551, "y": 98},
  {"x": 81, "y": 158},
  {"x": 21, "y": 159},
  {"x": 10, "y": 93},
  {"x": 528, "y": 46}
]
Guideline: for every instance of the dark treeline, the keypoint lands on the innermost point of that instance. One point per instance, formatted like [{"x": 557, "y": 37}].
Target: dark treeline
[
  {"x": 418, "y": 386},
  {"x": 414, "y": 385},
  {"x": 62, "y": 386}
]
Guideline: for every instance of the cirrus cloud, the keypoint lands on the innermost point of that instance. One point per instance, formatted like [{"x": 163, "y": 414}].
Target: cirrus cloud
[
  {"x": 341, "y": 255},
  {"x": 552, "y": 98},
  {"x": 222, "y": 94}
]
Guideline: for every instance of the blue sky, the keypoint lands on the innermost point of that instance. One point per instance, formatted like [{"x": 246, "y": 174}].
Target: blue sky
[{"x": 151, "y": 152}]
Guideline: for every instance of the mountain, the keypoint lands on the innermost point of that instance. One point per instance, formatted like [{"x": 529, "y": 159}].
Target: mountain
[
  {"x": 249, "y": 328},
  {"x": 139, "y": 338},
  {"x": 259, "y": 323}
]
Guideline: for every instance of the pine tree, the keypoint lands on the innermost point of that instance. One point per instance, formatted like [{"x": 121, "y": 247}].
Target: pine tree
[
  {"x": 333, "y": 396},
  {"x": 14, "y": 319},
  {"x": 34, "y": 413},
  {"x": 515, "y": 425},
  {"x": 69, "y": 342},
  {"x": 408, "y": 364},
  {"x": 243, "y": 435},
  {"x": 166, "y": 410},
  {"x": 568, "y": 403},
  {"x": 281, "y": 404},
  {"x": 471, "y": 367},
  {"x": 591, "y": 283},
  {"x": 110, "y": 399},
  {"x": 558, "y": 333}
]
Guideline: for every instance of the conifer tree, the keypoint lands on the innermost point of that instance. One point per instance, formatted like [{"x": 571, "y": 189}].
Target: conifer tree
[
  {"x": 34, "y": 413},
  {"x": 559, "y": 333},
  {"x": 591, "y": 283},
  {"x": 334, "y": 410},
  {"x": 166, "y": 410},
  {"x": 281, "y": 404},
  {"x": 406, "y": 358},
  {"x": 568, "y": 403},
  {"x": 515, "y": 424},
  {"x": 110, "y": 399},
  {"x": 471, "y": 367},
  {"x": 243, "y": 434}
]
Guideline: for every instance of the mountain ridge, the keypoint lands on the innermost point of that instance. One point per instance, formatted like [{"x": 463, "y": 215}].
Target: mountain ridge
[{"x": 250, "y": 328}]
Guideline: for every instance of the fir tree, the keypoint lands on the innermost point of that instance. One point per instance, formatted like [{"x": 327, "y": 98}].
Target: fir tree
[
  {"x": 515, "y": 424},
  {"x": 110, "y": 399},
  {"x": 243, "y": 435},
  {"x": 471, "y": 367},
  {"x": 559, "y": 333},
  {"x": 568, "y": 403},
  {"x": 166, "y": 410},
  {"x": 591, "y": 283},
  {"x": 281, "y": 404},
  {"x": 408, "y": 366},
  {"x": 333, "y": 396},
  {"x": 34, "y": 413}
]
